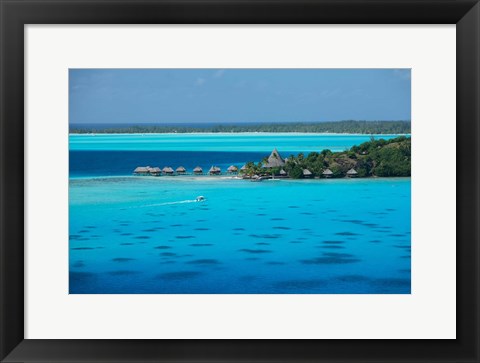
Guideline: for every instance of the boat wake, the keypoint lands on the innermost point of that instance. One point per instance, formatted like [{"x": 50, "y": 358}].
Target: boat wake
[
  {"x": 196, "y": 200},
  {"x": 170, "y": 203}
]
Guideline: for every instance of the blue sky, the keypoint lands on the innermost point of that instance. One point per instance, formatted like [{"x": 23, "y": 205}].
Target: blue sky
[{"x": 237, "y": 95}]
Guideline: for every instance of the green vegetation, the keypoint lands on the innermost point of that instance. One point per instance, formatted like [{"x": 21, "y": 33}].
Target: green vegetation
[
  {"x": 382, "y": 158},
  {"x": 347, "y": 127}
]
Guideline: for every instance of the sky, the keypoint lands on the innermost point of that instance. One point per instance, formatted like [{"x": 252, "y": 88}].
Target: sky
[{"x": 237, "y": 95}]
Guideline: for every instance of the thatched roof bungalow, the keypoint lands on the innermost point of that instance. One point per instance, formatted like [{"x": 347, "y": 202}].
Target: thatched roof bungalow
[
  {"x": 274, "y": 160},
  {"x": 155, "y": 171},
  {"x": 232, "y": 169},
  {"x": 215, "y": 170},
  {"x": 327, "y": 173},
  {"x": 283, "y": 172},
  {"x": 352, "y": 173},
  {"x": 181, "y": 170},
  {"x": 142, "y": 170},
  {"x": 198, "y": 170},
  {"x": 307, "y": 173},
  {"x": 168, "y": 170}
]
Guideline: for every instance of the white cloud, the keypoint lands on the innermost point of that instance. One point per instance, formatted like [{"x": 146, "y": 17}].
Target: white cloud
[
  {"x": 200, "y": 81},
  {"x": 219, "y": 73}
]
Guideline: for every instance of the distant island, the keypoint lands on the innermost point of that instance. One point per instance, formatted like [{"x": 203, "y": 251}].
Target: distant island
[{"x": 333, "y": 127}]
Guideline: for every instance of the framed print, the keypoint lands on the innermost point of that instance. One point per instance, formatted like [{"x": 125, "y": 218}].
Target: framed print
[{"x": 239, "y": 181}]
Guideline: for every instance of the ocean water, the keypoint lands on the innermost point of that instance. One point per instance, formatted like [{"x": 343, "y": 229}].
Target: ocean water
[{"x": 148, "y": 235}]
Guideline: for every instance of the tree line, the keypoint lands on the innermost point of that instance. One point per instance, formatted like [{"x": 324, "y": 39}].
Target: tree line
[{"x": 340, "y": 127}]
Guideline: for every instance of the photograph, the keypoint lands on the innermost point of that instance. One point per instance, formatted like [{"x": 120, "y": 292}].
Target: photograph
[{"x": 239, "y": 180}]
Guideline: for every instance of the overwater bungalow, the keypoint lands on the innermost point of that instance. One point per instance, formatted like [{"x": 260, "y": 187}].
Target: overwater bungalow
[
  {"x": 307, "y": 173},
  {"x": 327, "y": 173},
  {"x": 274, "y": 160},
  {"x": 155, "y": 171},
  {"x": 232, "y": 169},
  {"x": 215, "y": 170},
  {"x": 243, "y": 168},
  {"x": 142, "y": 170},
  {"x": 181, "y": 170},
  {"x": 352, "y": 173},
  {"x": 168, "y": 170},
  {"x": 198, "y": 170}
]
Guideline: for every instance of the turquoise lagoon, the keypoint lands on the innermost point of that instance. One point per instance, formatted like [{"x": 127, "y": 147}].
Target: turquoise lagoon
[
  {"x": 246, "y": 142},
  {"x": 144, "y": 235}
]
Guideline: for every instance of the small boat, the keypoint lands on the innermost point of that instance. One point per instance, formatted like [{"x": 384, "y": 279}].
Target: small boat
[{"x": 200, "y": 198}]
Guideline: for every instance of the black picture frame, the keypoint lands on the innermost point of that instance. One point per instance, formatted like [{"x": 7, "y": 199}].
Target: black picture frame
[{"x": 15, "y": 14}]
